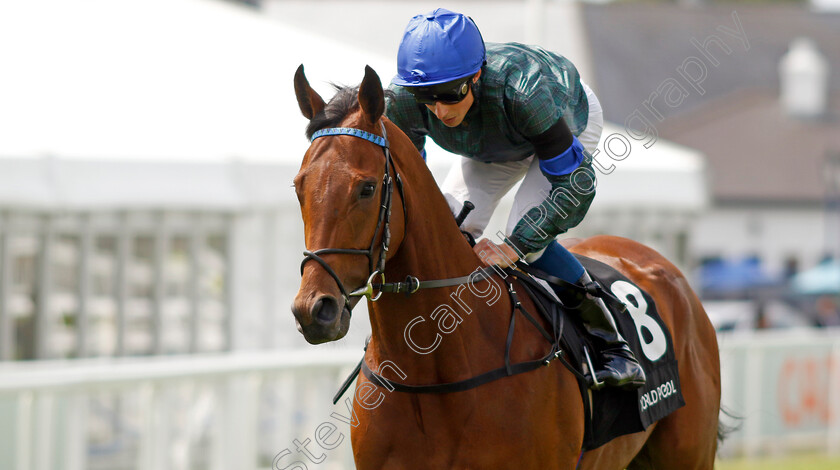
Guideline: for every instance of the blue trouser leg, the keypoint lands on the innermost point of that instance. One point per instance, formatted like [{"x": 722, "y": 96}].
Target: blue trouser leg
[
  {"x": 619, "y": 367},
  {"x": 558, "y": 262}
]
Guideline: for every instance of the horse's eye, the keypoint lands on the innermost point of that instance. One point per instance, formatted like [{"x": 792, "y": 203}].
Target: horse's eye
[{"x": 368, "y": 189}]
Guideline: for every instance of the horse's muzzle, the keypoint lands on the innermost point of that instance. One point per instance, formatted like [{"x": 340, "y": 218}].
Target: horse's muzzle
[{"x": 325, "y": 319}]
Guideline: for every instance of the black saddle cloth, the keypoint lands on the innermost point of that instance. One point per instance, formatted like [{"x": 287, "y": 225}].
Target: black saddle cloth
[{"x": 613, "y": 412}]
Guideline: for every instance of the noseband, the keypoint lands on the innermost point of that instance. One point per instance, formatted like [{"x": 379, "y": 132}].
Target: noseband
[{"x": 376, "y": 270}]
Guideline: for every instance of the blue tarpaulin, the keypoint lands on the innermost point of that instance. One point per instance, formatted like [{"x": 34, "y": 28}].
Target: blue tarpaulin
[{"x": 735, "y": 275}]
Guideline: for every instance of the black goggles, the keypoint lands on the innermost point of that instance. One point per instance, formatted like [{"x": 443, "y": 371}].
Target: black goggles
[{"x": 447, "y": 93}]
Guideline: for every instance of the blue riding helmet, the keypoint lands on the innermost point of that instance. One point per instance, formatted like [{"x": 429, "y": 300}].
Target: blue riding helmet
[{"x": 439, "y": 47}]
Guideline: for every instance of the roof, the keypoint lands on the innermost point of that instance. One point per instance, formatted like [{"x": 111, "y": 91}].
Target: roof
[
  {"x": 755, "y": 151},
  {"x": 637, "y": 47},
  {"x": 50, "y": 184}
]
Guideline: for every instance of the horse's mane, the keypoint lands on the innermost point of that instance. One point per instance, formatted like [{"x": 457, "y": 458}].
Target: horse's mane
[{"x": 345, "y": 100}]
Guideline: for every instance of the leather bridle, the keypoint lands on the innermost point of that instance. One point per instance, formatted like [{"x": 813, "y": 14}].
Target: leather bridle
[
  {"x": 372, "y": 289},
  {"x": 412, "y": 284},
  {"x": 376, "y": 269}
]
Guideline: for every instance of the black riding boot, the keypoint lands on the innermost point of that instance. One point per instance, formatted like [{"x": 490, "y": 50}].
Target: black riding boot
[{"x": 618, "y": 366}]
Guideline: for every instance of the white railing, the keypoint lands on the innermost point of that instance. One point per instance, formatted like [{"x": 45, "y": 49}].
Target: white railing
[
  {"x": 272, "y": 410},
  {"x": 785, "y": 385},
  {"x": 220, "y": 412}
]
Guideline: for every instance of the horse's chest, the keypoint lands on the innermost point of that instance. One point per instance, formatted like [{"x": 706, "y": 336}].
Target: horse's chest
[{"x": 475, "y": 434}]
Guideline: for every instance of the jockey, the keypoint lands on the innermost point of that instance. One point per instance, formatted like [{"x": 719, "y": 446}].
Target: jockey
[{"x": 513, "y": 112}]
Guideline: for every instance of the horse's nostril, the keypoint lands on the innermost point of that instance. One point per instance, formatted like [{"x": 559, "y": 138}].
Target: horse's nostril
[{"x": 325, "y": 310}]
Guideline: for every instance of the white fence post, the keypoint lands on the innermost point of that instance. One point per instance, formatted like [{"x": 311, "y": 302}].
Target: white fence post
[
  {"x": 74, "y": 452},
  {"x": 752, "y": 398},
  {"x": 219, "y": 450},
  {"x": 23, "y": 416},
  {"x": 43, "y": 450},
  {"x": 833, "y": 435},
  {"x": 146, "y": 452},
  {"x": 241, "y": 415}
]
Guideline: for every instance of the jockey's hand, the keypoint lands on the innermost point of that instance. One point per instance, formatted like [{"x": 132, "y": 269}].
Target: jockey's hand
[{"x": 490, "y": 253}]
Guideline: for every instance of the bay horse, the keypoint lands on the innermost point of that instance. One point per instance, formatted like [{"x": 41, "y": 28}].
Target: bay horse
[{"x": 371, "y": 207}]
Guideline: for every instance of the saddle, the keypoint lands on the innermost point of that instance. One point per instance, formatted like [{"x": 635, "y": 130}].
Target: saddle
[{"x": 614, "y": 412}]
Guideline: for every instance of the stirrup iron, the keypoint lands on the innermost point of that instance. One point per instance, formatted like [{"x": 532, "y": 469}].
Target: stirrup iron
[{"x": 594, "y": 384}]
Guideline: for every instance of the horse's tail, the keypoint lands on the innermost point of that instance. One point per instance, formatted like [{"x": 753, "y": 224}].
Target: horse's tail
[{"x": 724, "y": 429}]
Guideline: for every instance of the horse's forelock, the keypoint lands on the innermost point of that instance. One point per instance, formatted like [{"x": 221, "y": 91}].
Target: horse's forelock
[{"x": 345, "y": 100}]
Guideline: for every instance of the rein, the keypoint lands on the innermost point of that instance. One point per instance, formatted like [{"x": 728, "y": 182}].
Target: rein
[
  {"x": 548, "y": 309},
  {"x": 507, "y": 370}
]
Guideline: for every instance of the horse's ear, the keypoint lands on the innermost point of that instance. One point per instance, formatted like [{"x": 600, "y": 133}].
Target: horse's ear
[
  {"x": 371, "y": 96},
  {"x": 309, "y": 100}
]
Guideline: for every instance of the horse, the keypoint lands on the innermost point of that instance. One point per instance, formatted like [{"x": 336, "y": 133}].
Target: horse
[{"x": 371, "y": 209}]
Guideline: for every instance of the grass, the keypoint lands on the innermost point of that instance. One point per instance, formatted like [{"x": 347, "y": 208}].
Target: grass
[{"x": 795, "y": 462}]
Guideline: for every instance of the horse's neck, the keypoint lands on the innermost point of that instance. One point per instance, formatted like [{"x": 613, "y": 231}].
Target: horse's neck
[{"x": 433, "y": 248}]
